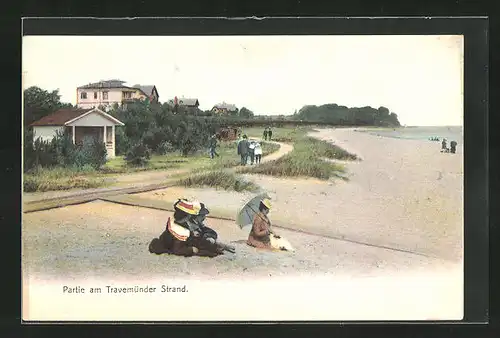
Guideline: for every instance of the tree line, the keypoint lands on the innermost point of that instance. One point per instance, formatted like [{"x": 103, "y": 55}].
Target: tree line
[
  {"x": 161, "y": 128},
  {"x": 342, "y": 115}
]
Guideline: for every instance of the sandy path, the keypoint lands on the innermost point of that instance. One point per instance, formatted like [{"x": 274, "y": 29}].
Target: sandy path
[{"x": 408, "y": 196}]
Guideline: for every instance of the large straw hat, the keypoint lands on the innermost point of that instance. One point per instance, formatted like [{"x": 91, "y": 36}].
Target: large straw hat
[
  {"x": 191, "y": 207},
  {"x": 267, "y": 203}
]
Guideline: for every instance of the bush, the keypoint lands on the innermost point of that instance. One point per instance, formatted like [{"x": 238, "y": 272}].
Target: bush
[
  {"x": 61, "y": 152},
  {"x": 123, "y": 143},
  {"x": 138, "y": 155},
  {"x": 92, "y": 153},
  {"x": 165, "y": 148}
]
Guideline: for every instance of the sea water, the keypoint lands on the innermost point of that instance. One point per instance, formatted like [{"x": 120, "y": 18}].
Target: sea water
[{"x": 452, "y": 133}]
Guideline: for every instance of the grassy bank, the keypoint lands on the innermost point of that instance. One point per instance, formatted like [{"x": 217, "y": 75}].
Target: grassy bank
[
  {"x": 306, "y": 159},
  {"x": 219, "y": 179},
  {"x": 62, "y": 179}
]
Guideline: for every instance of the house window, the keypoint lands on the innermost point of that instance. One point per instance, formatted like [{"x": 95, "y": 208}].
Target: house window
[
  {"x": 83, "y": 95},
  {"x": 127, "y": 95},
  {"x": 95, "y": 95},
  {"x": 104, "y": 95}
]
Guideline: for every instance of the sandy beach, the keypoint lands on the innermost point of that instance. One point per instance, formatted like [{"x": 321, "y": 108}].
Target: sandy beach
[{"x": 403, "y": 203}]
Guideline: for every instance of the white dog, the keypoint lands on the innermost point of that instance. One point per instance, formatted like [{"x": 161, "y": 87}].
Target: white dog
[{"x": 279, "y": 243}]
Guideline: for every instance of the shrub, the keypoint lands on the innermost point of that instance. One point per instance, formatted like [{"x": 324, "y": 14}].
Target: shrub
[
  {"x": 138, "y": 155},
  {"x": 165, "y": 148},
  {"x": 92, "y": 153},
  {"x": 123, "y": 143},
  {"x": 61, "y": 151}
]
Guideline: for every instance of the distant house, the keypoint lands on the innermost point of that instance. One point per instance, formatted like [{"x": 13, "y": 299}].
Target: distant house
[
  {"x": 224, "y": 108},
  {"x": 184, "y": 102},
  {"x": 110, "y": 92},
  {"x": 79, "y": 124}
]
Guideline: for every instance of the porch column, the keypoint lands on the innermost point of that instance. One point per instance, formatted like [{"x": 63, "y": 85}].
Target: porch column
[
  {"x": 73, "y": 134},
  {"x": 104, "y": 138},
  {"x": 113, "y": 140}
]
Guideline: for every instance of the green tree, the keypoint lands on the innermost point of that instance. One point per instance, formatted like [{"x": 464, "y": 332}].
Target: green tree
[
  {"x": 39, "y": 103},
  {"x": 245, "y": 113}
]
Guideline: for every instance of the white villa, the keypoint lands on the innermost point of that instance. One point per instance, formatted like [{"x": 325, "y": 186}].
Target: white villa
[
  {"x": 110, "y": 92},
  {"x": 79, "y": 123}
]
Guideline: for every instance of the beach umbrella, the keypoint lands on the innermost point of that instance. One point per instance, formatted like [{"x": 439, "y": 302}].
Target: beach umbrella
[{"x": 250, "y": 209}]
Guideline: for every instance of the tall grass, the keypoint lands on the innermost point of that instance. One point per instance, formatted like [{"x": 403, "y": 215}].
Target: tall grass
[
  {"x": 47, "y": 179},
  {"x": 220, "y": 179},
  {"x": 323, "y": 149}
]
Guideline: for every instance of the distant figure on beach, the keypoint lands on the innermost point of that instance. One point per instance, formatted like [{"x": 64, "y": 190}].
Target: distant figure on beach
[
  {"x": 453, "y": 147},
  {"x": 444, "y": 146},
  {"x": 269, "y": 133},
  {"x": 265, "y": 134},
  {"x": 258, "y": 152},
  {"x": 243, "y": 150}
]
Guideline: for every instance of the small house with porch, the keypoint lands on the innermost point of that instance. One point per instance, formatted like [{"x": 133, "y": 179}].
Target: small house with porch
[{"x": 79, "y": 124}]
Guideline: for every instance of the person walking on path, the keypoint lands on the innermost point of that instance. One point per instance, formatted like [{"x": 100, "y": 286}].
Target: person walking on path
[
  {"x": 258, "y": 152},
  {"x": 265, "y": 134},
  {"x": 269, "y": 133},
  {"x": 251, "y": 151},
  {"x": 213, "y": 146},
  {"x": 243, "y": 150}
]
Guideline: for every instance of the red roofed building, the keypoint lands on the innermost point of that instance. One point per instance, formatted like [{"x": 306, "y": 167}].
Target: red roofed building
[{"x": 79, "y": 124}]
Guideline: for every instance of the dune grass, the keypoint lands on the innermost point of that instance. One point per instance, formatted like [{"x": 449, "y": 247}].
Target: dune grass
[
  {"x": 219, "y": 179},
  {"x": 306, "y": 160},
  {"x": 48, "y": 179}
]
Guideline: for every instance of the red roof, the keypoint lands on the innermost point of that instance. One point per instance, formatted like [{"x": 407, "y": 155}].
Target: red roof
[{"x": 60, "y": 117}]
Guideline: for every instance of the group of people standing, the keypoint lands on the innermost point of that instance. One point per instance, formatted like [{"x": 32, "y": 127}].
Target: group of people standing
[
  {"x": 268, "y": 133},
  {"x": 445, "y": 149},
  {"x": 249, "y": 150}
]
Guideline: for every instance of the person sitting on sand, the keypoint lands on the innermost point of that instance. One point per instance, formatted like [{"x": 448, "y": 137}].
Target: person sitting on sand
[{"x": 261, "y": 227}]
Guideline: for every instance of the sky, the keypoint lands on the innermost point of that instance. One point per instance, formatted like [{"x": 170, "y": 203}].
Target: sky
[{"x": 420, "y": 78}]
